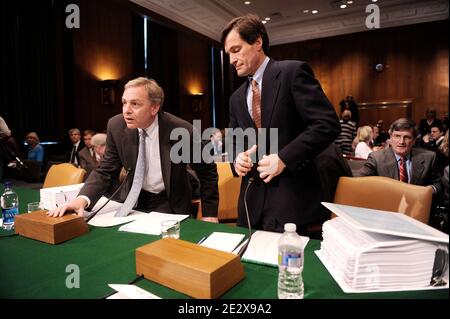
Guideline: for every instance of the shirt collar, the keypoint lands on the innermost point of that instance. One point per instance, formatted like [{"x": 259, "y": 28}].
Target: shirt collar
[
  {"x": 260, "y": 72},
  {"x": 408, "y": 156},
  {"x": 152, "y": 129}
]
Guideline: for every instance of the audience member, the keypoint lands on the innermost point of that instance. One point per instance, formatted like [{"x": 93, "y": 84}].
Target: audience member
[
  {"x": 35, "y": 150},
  {"x": 98, "y": 142},
  {"x": 77, "y": 146},
  {"x": 403, "y": 162},
  {"x": 363, "y": 149},
  {"x": 427, "y": 123},
  {"x": 4, "y": 132},
  {"x": 87, "y": 156},
  {"x": 350, "y": 104},
  {"x": 216, "y": 142},
  {"x": 433, "y": 140},
  {"x": 348, "y": 133}
]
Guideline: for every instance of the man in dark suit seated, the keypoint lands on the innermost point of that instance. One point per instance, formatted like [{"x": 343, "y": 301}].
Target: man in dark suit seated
[
  {"x": 139, "y": 140},
  {"x": 283, "y": 95},
  {"x": 403, "y": 162}
]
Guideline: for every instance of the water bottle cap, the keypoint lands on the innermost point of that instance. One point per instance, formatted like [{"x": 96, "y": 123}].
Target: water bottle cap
[{"x": 290, "y": 227}]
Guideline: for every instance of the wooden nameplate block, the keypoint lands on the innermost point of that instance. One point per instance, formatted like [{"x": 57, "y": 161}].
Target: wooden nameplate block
[
  {"x": 194, "y": 270},
  {"x": 53, "y": 230}
]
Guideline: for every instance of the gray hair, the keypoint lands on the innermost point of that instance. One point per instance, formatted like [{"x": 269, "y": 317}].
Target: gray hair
[
  {"x": 404, "y": 124},
  {"x": 154, "y": 91},
  {"x": 98, "y": 139}
]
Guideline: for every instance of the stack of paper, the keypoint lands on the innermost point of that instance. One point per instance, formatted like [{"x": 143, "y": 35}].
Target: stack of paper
[
  {"x": 263, "y": 248},
  {"x": 366, "y": 260},
  {"x": 105, "y": 216},
  {"x": 53, "y": 197},
  {"x": 150, "y": 223},
  {"x": 223, "y": 241}
]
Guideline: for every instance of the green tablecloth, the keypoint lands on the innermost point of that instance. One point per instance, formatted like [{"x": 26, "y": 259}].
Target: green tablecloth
[{"x": 32, "y": 269}]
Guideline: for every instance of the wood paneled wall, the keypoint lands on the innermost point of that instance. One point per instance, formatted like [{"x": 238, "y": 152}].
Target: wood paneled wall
[{"x": 416, "y": 59}]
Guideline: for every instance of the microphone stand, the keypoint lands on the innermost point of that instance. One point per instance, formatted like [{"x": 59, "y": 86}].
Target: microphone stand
[
  {"x": 244, "y": 247},
  {"x": 113, "y": 194}
]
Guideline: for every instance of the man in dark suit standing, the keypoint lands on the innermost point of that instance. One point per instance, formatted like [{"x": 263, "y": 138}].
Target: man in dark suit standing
[
  {"x": 403, "y": 162},
  {"x": 286, "y": 96},
  {"x": 139, "y": 140},
  {"x": 88, "y": 159}
]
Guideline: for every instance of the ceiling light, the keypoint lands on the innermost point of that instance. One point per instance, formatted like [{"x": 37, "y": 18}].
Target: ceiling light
[
  {"x": 305, "y": 11},
  {"x": 264, "y": 21},
  {"x": 374, "y": 0},
  {"x": 247, "y": 2},
  {"x": 349, "y": 2},
  {"x": 315, "y": 11},
  {"x": 267, "y": 19},
  {"x": 343, "y": 6}
]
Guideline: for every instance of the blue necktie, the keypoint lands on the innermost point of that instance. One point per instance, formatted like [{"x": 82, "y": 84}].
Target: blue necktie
[{"x": 138, "y": 179}]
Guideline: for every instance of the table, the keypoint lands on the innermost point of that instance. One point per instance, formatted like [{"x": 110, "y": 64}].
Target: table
[{"x": 32, "y": 269}]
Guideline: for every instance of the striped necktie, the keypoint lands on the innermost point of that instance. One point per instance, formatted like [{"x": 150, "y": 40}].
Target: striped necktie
[
  {"x": 256, "y": 104},
  {"x": 138, "y": 179},
  {"x": 402, "y": 170}
]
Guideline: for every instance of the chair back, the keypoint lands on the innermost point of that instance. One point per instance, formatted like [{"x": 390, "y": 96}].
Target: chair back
[
  {"x": 383, "y": 193},
  {"x": 229, "y": 188},
  {"x": 63, "y": 174}
]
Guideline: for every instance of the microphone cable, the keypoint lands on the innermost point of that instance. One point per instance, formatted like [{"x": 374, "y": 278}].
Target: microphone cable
[
  {"x": 113, "y": 194},
  {"x": 244, "y": 248}
]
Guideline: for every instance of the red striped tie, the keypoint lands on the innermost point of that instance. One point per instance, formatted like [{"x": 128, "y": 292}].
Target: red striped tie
[
  {"x": 256, "y": 104},
  {"x": 403, "y": 171}
]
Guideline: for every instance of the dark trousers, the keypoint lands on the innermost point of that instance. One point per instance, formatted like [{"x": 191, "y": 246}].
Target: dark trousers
[{"x": 148, "y": 202}]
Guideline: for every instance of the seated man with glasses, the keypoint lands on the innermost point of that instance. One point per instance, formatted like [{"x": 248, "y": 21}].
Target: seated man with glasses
[{"x": 401, "y": 161}]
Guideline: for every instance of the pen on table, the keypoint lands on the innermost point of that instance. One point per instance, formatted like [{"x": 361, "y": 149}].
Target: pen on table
[{"x": 201, "y": 240}]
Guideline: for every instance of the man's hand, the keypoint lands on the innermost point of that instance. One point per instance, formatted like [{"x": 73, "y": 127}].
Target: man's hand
[
  {"x": 211, "y": 219},
  {"x": 243, "y": 163},
  {"x": 270, "y": 166},
  {"x": 77, "y": 205}
]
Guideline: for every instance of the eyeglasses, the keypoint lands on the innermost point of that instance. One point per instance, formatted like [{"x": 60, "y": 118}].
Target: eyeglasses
[{"x": 406, "y": 138}]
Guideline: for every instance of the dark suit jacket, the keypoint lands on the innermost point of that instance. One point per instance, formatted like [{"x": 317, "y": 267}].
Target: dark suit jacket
[
  {"x": 77, "y": 154},
  {"x": 87, "y": 161},
  {"x": 423, "y": 167},
  {"x": 122, "y": 150},
  {"x": 292, "y": 101}
]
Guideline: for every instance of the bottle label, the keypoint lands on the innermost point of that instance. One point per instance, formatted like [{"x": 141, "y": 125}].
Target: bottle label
[
  {"x": 290, "y": 259},
  {"x": 8, "y": 214}
]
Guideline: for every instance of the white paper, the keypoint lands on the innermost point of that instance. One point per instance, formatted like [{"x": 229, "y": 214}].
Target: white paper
[
  {"x": 389, "y": 223},
  {"x": 130, "y": 292},
  {"x": 223, "y": 241},
  {"x": 105, "y": 217},
  {"x": 263, "y": 247},
  {"x": 150, "y": 223}
]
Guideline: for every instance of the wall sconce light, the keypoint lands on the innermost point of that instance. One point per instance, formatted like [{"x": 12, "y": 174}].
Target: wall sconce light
[
  {"x": 108, "y": 92},
  {"x": 196, "y": 102}
]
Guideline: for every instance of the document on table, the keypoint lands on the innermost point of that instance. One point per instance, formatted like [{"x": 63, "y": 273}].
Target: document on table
[
  {"x": 130, "y": 292},
  {"x": 263, "y": 247},
  {"x": 105, "y": 217},
  {"x": 223, "y": 241},
  {"x": 150, "y": 223}
]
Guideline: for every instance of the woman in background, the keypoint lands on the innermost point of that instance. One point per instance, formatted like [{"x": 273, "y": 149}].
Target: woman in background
[
  {"x": 363, "y": 149},
  {"x": 35, "y": 150}
]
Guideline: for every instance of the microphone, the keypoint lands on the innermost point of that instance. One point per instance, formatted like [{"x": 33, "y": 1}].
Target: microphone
[
  {"x": 113, "y": 194},
  {"x": 244, "y": 247},
  {"x": 14, "y": 154}
]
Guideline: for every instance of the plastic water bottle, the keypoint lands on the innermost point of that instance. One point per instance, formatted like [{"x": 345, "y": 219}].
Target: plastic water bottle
[
  {"x": 10, "y": 206},
  {"x": 290, "y": 264}
]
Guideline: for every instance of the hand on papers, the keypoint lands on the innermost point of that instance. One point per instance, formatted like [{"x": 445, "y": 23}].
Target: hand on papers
[
  {"x": 270, "y": 166},
  {"x": 211, "y": 219},
  {"x": 243, "y": 163},
  {"x": 77, "y": 205}
]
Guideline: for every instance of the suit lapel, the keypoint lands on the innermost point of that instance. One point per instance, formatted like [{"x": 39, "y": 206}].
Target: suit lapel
[
  {"x": 242, "y": 108},
  {"x": 417, "y": 163},
  {"x": 269, "y": 94},
  {"x": 164, "y": 151},
  {"x": 391, "y": 165},
  {"x": 131, "y": 143}
]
